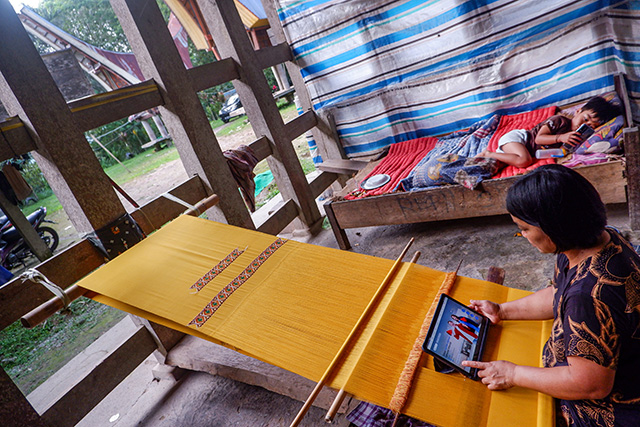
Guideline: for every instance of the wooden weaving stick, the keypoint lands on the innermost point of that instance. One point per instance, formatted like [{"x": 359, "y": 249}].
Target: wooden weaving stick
[
  {"x": 347, "y": 341},
  {"x": 337, "y": 402},
  {"x": 403, "y": 388}
]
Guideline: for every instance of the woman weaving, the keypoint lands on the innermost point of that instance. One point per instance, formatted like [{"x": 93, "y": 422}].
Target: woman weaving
[{"x": 591, "y": 360}]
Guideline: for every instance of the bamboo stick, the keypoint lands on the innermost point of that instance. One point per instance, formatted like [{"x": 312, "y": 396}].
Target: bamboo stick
[
  {"x": 337, "y": 401},
  {"x": 347, "y": 341},
  {"x": 403, "y": 388}
]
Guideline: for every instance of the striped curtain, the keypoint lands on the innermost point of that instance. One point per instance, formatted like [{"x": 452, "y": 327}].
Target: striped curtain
[{"x": 392, "y": 71}]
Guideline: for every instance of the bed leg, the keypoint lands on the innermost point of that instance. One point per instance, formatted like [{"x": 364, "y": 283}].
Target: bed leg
[
  {"x": 632, "y": 154},
  {"x": 341, "y": 236}
]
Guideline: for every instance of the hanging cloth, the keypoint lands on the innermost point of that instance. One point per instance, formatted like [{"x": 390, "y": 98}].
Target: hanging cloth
[{"x": 241, "y": 161}]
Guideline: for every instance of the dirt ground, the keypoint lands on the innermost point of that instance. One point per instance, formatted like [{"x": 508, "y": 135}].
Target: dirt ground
[{"x": 147, "y": 187}]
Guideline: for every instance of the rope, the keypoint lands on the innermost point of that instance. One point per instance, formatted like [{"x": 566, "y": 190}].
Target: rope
[{"x": 37, "y": 277}]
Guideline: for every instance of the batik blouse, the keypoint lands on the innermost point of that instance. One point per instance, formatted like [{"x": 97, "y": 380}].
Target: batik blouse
[{"x": 596, "y": 309}]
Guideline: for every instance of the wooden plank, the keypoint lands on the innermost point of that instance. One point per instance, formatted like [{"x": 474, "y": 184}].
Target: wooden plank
[
  {"x": 89, "y": 391},
  {"x": 455, "y": 201},
  {"x": 261, "y": 148},
  {"x": 103, "y": 108},
  {"x": 161, "y": 210},
  {"x": 342, "y": 166},
  {"x": 322, "y": 182},
  {"x": 301, "y": 124},
  {"x": 632, "y": 152},
  {"x": 182, "y": 112},
  {"x": 15, "y": 410},
  {"x": 273, "y": 55},
  {"x": 212, "y": 74},
  {"x": 279, "y": 219},
  {"x": 14, "y": 139}
]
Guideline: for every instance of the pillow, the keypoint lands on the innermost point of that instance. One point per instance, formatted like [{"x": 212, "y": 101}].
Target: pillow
[
  {"x": 606, "y": 139},
  {"x": 454, "y": 169}
]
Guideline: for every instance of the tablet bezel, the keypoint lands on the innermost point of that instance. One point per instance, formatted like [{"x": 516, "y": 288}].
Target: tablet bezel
[{"x": 482, "y": 336}]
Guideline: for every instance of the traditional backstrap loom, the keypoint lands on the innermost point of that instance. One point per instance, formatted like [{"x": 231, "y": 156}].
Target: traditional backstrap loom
[{"x": 293, "y": 304}]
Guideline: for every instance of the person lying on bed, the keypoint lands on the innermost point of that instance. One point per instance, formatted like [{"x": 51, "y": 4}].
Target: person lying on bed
[
  {"x": 518, "y": 147},
  {"x": 591, "y": 358}
]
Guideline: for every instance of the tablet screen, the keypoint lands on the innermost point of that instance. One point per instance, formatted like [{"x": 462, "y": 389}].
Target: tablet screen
[{"x": 457, "y": 333}]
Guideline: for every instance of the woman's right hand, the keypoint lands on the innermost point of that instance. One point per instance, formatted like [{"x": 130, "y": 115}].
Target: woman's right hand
[{"x": 487, "y": 308}]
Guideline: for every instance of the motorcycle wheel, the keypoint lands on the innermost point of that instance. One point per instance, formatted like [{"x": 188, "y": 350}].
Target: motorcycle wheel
[{"x": 49, "y": 236}]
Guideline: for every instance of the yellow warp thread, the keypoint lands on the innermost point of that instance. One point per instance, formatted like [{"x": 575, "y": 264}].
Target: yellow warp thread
[
  {"x": 297, "y": 309},
  {"x": 401, "y": 393}
]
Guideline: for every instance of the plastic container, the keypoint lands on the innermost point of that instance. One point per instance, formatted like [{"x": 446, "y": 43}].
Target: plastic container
[{"x": 551, "y": 153}]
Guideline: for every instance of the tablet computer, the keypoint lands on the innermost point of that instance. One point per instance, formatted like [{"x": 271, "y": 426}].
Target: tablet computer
[{"x": 456, "y": 333}]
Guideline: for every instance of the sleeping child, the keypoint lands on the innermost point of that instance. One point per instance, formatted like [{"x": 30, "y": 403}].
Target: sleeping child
[{"x": 517, "y": 147}]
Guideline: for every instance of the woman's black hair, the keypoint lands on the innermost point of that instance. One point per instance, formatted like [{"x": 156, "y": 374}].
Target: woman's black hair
[{"x": 562, "y": 203}]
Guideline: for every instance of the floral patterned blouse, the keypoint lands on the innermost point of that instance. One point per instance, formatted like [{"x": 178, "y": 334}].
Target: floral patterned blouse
[{"x": 596, "y": 309}]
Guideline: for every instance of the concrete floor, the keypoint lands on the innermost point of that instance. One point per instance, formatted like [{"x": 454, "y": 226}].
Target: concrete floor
[{"x": 201, "y": 399}]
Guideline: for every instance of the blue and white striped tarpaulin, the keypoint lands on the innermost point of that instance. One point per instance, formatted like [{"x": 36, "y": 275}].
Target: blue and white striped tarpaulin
[{"x": 392, "y": 71}]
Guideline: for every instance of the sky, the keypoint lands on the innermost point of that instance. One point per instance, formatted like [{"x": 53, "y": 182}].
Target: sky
[{"x": 17, "y": 4}]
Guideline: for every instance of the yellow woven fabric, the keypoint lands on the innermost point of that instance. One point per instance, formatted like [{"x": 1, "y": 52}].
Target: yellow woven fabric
[{"x": 298, "y": 307}]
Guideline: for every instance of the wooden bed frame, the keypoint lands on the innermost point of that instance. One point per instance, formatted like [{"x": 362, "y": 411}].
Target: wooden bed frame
[{"x": 616, "y": 181}]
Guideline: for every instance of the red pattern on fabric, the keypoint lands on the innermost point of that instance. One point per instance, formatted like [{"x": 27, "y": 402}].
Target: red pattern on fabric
[
  {"x": 520, "y": 121},
  {"x": 402, "y": 158},
  {"x": 202, "y": 282},
  {"x": 226, "y": 292}
]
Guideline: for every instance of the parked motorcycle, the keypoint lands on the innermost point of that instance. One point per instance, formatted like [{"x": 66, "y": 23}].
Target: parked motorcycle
[{"x": 13, "y": 248}]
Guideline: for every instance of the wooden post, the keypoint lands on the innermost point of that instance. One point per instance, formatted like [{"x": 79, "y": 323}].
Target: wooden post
[
  {"x": 63, "y": 154},
  {"x": 632, "y": 153},
  {"x": 183, "y": 114},
  {"x": 228, "y": 31},
  {"x": 26, "y": 230}
]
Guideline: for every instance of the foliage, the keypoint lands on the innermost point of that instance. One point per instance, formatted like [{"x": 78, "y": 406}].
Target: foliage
[
  {"x": 122, "y": 138},
  {"x": 92, "y": 21}
]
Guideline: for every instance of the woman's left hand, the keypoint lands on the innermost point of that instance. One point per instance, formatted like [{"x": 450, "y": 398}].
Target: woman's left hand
[{"x": 497, "y": 375}]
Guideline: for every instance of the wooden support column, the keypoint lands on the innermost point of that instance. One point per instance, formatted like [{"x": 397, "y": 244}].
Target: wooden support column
[
  {"x": 183, "y": 114},
  {"x": 63, "y": 153},
  {"x": 632, "y": 152},
  {"x": 28, "y": 233},
  {"x": 228, "y": 31},
  {"x": 324, "y": 133}
]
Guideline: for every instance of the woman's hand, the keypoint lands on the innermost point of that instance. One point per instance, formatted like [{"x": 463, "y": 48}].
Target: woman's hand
[
  {"x": 488, "y": 309},
  {"x": 498, "y": 375}
]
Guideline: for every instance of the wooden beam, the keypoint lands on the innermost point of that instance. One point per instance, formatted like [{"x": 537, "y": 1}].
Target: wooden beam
[
  {"x": 15, "y": 410},
  {"x": 212, "y": 74},
  {"x": 279, "y": 219},
  {"x": 342, "y": 166},
  {"x": 261, "y": 148},
  {"x": 182, "y": 112},
  {"x": 301, "y": 124},
  {"x": 14, "y": 139},
  {"x": 89, "y": 391},
  {"x": 273, "y": 55},
  {"x": 103, "y": 108},
  {"x": 161, "y": 210},
  {"x": 322, "y": 182}
]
